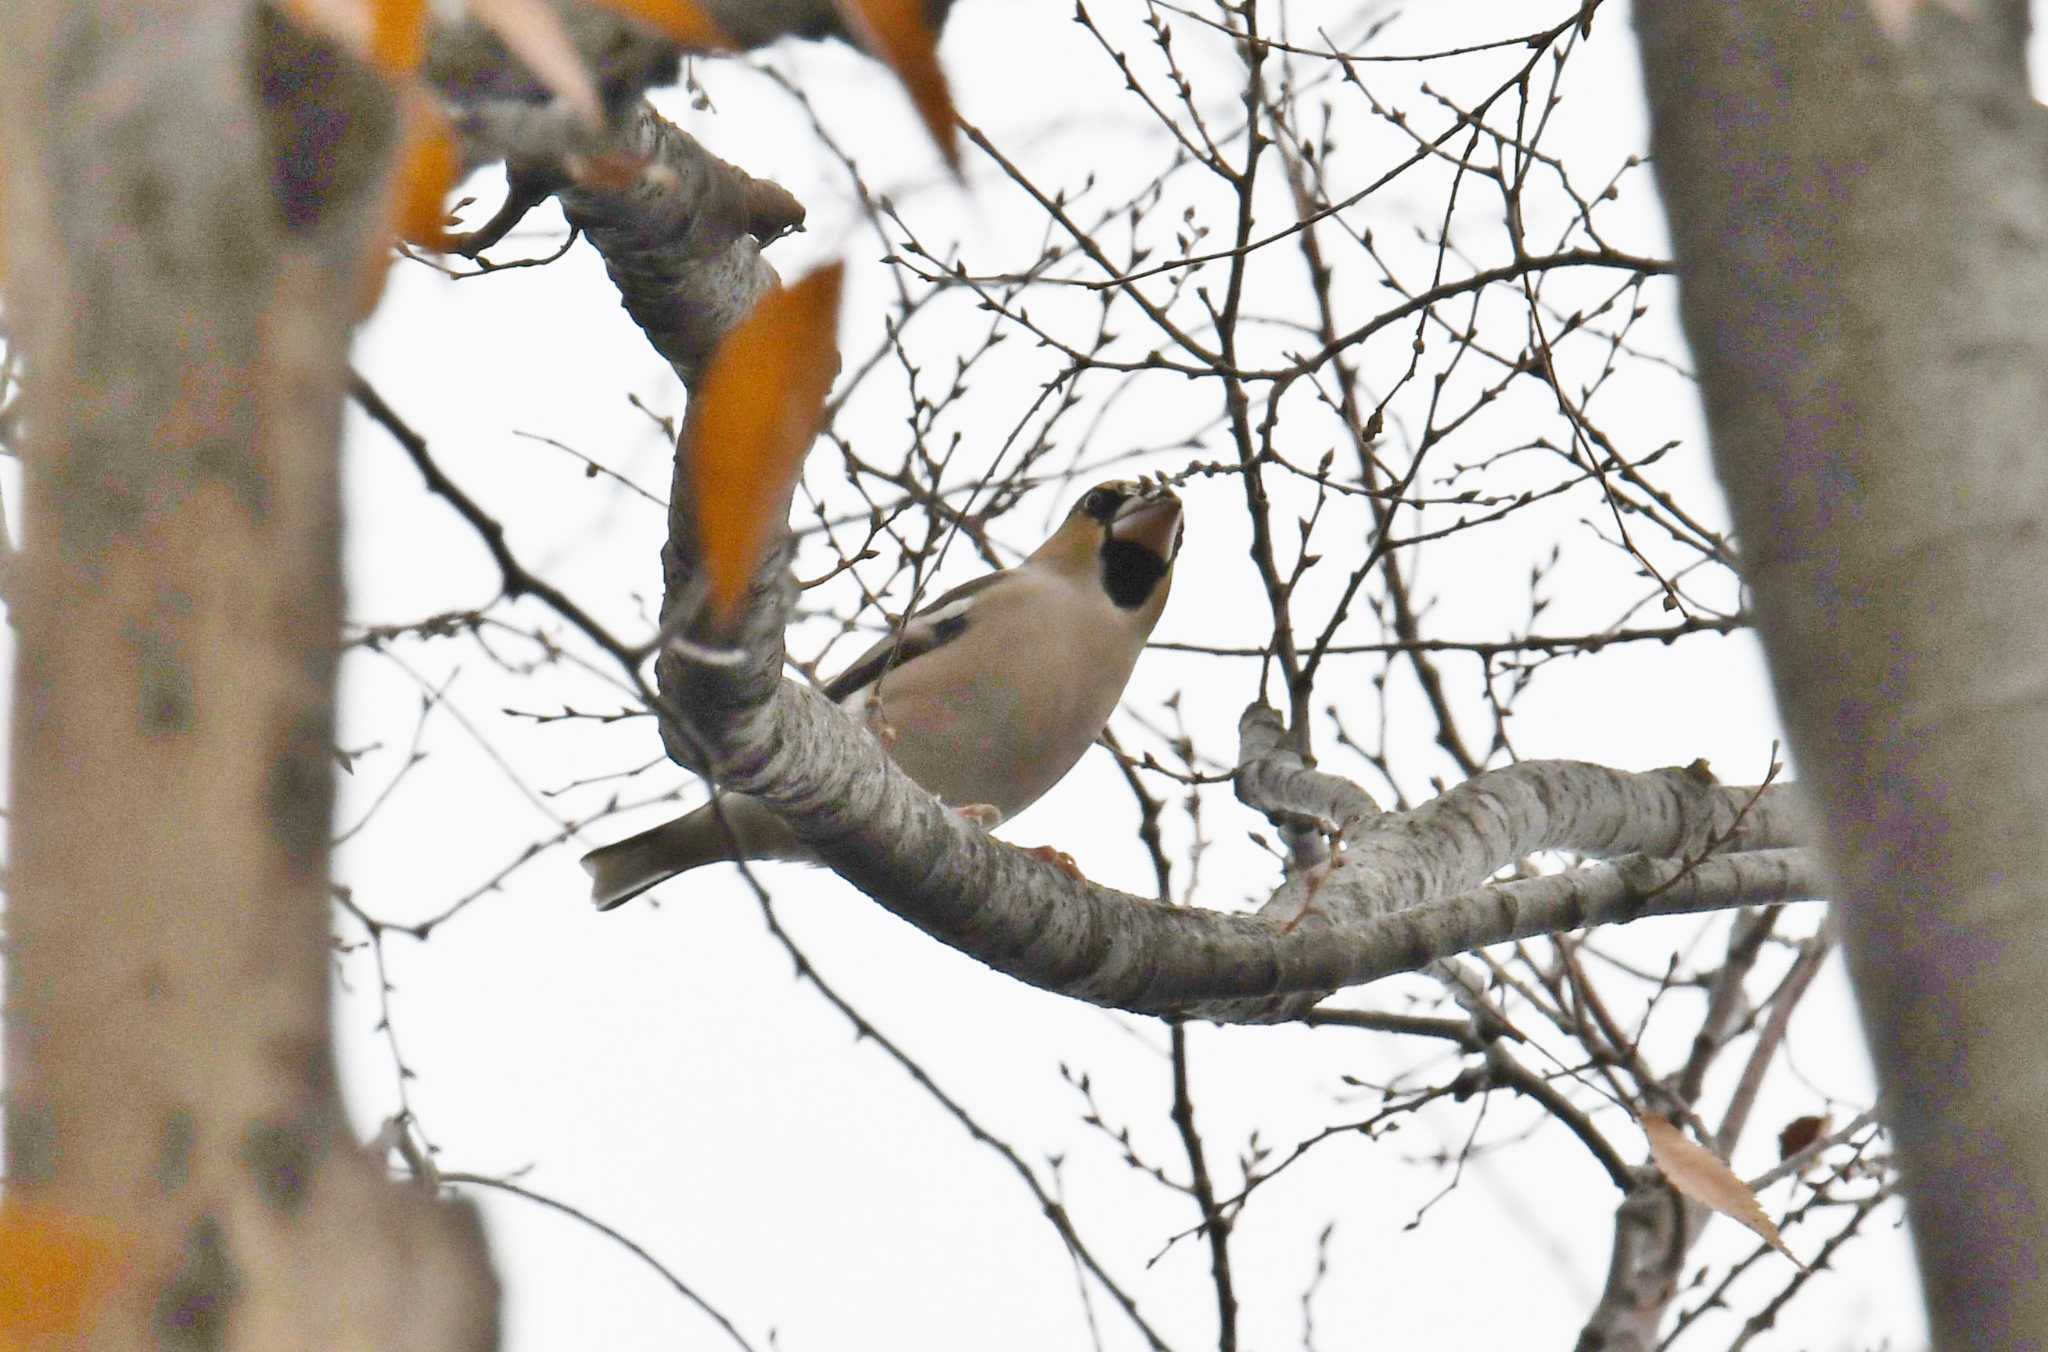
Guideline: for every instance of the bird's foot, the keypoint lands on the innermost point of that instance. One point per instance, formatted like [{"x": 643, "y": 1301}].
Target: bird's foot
[
  {"x": 1059, "y": 859},
  {"x": 985, "y": 815}
]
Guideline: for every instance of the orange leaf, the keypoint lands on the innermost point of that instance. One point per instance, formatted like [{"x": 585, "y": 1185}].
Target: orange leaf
[
  {"x": 428, "y": 161},
  {"x": 1701, "y": 1175},
  {"x": 535, "y": 35},
  {"x": 398, "y": 34},
  {"x": 896, "y": 34},
  {"x": 683, "y": 20},
  {"x": 54, "y": 1269},
  {"x": 754, "y": 419},
  {"x": 422, "y": 173}
]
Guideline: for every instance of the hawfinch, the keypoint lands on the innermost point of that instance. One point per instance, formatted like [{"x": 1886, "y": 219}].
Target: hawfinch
[{"x": 986, "y": 697}]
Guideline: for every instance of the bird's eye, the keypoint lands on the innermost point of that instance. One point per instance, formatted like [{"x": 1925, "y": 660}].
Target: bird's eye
[{"x": 1101, "y": 503}]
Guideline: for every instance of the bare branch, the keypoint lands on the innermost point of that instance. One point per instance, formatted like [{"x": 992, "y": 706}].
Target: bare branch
[{"x": 869, "y": 821}]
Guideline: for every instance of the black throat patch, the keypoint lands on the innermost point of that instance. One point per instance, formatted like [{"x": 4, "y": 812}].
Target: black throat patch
[{"x": 1130, "y": 572}]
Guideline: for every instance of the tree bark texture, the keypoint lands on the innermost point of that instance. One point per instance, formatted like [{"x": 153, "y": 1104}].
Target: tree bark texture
[
  {"x": 195, "y": 195},
  {"x": 1862, "y": 229}
]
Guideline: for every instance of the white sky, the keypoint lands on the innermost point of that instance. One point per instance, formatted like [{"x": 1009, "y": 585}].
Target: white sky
[{"x": 661, "y": 1069}]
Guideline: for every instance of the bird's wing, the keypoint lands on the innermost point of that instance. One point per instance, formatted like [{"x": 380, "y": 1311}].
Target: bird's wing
[{"x": 932, "y": 628}]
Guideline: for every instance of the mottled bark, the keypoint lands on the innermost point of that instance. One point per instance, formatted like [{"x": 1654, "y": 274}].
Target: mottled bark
[
  {"x": 193, "y": 203},
  {"x": 1860, "y": 229},
  {"x": 1653, "y": 1229},
  {"x": 683, "y": 246}
]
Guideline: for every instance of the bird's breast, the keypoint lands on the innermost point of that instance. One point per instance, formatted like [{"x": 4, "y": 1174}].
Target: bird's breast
[{"x": 1010, "y": 719}]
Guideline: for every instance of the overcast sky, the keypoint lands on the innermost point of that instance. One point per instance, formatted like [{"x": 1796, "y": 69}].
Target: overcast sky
[{"x": 662, "y": 1069}]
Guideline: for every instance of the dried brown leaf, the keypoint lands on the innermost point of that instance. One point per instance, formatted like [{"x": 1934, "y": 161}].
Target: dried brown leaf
[
  {"x": 683, "y": 20},
  {"x": 1800, "y": 1133},
  {"x": 535, "y": 35},
  {"x": 1700, "y": 1174},
  {"x": 756, "y": 415},
  {"x": 895, "y": 33}
]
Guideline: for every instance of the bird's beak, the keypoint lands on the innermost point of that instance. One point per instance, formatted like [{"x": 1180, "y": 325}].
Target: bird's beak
[{"x": 1149, "y": 522}]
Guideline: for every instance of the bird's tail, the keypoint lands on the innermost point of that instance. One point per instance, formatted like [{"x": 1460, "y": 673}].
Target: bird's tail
[{"x": 622, "y": 871}]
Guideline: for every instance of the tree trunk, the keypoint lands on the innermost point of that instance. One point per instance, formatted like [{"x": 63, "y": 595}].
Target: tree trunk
[
  {"x": 1860, "y": 228},
  {"x": 195, "y": 196}
]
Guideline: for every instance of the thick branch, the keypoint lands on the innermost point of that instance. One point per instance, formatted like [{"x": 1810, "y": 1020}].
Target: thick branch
[
  {"x": 682, "y": 244},
  {"x": 1273, "y": 778},
  {"x": 1651, "y": 1235},
  {"x": 1458, "y": 840},
  {"x": 889, "y": 837}
]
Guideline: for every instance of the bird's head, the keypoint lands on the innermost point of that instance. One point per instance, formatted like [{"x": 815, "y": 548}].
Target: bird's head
[{"x": 1127, "y": 531}]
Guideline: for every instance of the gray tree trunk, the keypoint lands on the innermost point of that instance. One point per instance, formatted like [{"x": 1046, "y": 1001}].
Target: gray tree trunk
[
  {"x": 1862, "y": 229},
  {"x": 194, "y": 200}
]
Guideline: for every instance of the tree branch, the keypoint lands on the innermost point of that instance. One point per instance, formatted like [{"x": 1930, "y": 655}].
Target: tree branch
[
  {"x": 1273, "y": 778},
  {"x": 1405, "y": 893}
]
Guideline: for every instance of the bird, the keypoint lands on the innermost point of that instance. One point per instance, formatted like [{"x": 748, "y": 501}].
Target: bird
[{"x": 986, "y": 697}]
